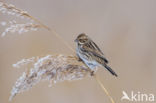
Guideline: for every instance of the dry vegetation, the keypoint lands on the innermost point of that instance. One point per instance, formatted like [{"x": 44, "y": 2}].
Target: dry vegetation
[
  {"x": 54, "y": 68},
  {"x": 12, "y": 26}
]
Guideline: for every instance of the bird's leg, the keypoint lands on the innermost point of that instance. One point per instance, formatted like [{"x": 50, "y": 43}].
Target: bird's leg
[
  {"x": 92, "y": 73},
  {"x": 79, "y": 59}
]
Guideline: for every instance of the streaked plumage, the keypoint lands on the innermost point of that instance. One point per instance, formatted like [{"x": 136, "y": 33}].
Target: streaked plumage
[{"x": 90, "y": 53}]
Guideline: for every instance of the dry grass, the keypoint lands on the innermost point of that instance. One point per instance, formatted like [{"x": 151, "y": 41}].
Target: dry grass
[
  {"x": 55, "y": 68},
  {"x": 12, "y": 26}
]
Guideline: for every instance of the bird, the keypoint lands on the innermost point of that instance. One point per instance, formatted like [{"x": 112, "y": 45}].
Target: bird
[{"x": 90, "y": 54}]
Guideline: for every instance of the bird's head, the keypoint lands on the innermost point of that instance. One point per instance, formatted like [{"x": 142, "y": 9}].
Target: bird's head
[{"x": 82, "y": 39}]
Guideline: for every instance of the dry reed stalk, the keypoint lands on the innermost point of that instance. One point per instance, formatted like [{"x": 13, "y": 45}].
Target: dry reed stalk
[
  {"x": 104, "y": 89},
  {"x": 32, "y": 25},
  {"x": 20, "y": 28},
  {"x": 55, "y": 68},
  {"x": 43, "y": 68}
]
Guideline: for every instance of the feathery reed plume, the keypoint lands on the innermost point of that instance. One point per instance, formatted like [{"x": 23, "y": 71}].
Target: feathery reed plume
[
  {"x": 31, "y": 25},
  {"x": 20, "y": 28},
  {"x": 55, "y": 68},
  {"x": 43, "y": 68}
]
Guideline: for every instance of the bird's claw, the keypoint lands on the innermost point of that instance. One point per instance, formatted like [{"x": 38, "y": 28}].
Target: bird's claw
[{"x": 92, "y": 73}]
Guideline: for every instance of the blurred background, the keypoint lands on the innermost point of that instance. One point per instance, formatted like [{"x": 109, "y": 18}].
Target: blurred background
[{"x": 125, "y": 30}]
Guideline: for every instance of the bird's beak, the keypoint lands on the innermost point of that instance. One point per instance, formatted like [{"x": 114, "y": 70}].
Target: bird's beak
[{"x": 75, "y": 40}]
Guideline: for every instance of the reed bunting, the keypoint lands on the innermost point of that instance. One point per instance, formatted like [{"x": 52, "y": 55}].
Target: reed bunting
[{"x": 90, "y": 54}]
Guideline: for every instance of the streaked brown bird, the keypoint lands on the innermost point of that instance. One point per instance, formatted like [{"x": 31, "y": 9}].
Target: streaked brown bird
[{"x": 90, "y": 53}]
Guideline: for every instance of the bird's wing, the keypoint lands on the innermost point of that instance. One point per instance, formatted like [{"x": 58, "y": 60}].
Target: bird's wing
[
  {"x": 95, "y": 54},
  {"x": 96, "y": 47}
]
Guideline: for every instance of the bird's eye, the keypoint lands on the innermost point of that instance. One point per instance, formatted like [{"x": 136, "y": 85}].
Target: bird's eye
[{"x": 82, "y": 40}]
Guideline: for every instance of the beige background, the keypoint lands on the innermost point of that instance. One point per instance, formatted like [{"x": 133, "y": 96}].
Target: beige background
[{"x": 125, "y": 30}]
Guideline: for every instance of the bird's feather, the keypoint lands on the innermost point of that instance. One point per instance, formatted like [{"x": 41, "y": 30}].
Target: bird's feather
[{"x": 96, "y": 54}]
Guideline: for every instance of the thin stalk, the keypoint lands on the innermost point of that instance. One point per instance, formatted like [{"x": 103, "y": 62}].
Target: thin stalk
[
  {"x": 97, "y": 80},
  {"x": 66, "y": 44},
  {"x": 104, "y": 89}
]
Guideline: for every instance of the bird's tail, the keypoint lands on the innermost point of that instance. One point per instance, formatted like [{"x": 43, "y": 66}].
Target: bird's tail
[{"x": 110, "y": 70}]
